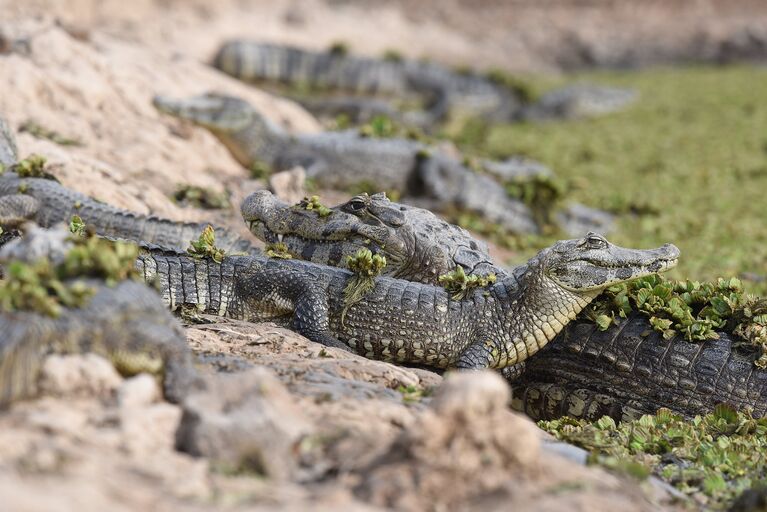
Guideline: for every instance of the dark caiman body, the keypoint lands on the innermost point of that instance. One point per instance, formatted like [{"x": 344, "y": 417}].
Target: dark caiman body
[{"x": 629, "y": 370}]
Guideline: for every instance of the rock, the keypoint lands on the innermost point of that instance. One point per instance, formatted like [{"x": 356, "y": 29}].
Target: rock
[
  {"x": 244, "y": 423},
  {"x": 90, "y": 374},
  {"x": 466, "y": 445},
  {"x": 138, "y": 391},
  {"x": 289, "y": 185}
]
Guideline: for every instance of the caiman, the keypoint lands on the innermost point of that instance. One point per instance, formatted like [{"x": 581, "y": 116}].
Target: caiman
[
  {"x": 125, "y": 322},
  {"x": 406, "y": 322},
  {"x": 345, "y": 159},
  {"x": 624, "y": 371},
  {"x": 443, "y": 91}
]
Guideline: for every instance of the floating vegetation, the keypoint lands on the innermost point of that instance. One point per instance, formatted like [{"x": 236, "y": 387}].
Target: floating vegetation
[
  {"x": 365, "y": 266},
  {"x": 39, "y": 131},
  {"x": 200, "y": 197},
  {"x": 77, "y": 226},
  {"x": 458, "y": 284},
  {"x": 205, "y": 246},
  {"x": 713, "y": 458},
  {"x": 313, "y": 204},
  {"x": 692, "y": 309}
]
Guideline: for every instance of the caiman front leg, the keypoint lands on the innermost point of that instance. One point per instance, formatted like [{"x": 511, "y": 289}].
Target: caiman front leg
[{"x": 274, "y": 292}]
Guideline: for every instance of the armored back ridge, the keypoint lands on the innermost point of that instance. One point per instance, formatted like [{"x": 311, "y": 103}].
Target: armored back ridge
[
  {"x": 629, "y": 370},
  {"x": 48, "y": 203}
]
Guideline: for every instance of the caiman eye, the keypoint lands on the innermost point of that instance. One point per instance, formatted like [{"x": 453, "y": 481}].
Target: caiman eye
[
  {"x": 356, "y": 205},
  {"x": 595, "y": 241}
]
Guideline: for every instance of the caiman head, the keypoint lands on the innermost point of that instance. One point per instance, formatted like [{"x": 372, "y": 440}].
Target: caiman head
[
  {"x": 541, "y": 297},
  {"x": 365, "y": 221},
  {"x": 232, "y": 120},
  {"x": 589, "y": 265}
]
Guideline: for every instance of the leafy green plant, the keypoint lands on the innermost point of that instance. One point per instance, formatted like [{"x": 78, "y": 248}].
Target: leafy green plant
[
  {"x": 458, "y": 284},
  {"x": 313, "y": 204},
  {"x": 205, "y": 246},
  {"x": 365, "y": 266},
  {"x": 713, "y": 457}
]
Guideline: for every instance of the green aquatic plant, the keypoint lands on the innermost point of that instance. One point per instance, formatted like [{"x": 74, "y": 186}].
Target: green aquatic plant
[
  {"x": 693, "y": 309},
  {"x": 458, "y": 284},
  {"x": 48, "y": 288},
  {"x": 313, "y": 204},
  {"x": 34, "y": 166},
  {"x": 713, "y": 458},
  {"x": 205, "y": 246},
  {"x": 365, "y": 266},
  {"x": 278, "y": 250}
]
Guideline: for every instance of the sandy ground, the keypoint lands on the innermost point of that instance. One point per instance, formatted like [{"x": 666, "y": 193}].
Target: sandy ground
[{"x": 88, "y": 69}]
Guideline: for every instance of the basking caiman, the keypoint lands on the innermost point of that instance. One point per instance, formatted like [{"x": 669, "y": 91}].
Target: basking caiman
[
  {"x": 401, "y": 321},
  {"x": 345, "y": 159},
  {"x": 624, "y": 371},
  {"x": 443, "y": 91}
]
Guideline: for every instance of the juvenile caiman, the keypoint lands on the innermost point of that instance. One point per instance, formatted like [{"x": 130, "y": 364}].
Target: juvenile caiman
[
  {"x": 624, "y": 371},
  {"x": 401, "y": 321}
]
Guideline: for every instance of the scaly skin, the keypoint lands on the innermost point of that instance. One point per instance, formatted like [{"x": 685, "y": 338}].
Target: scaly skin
[
  {"x": 407, "y": 322},
  {"x": 444, "y": 89},
  {"x": 418, "y": 245},
  {"x": 126, "y": 323},
  {"x": 584, "y": 373},
  {"x": 629, "y": 370},
  {"x": 48, "y": 203},
  {"x": 340, "y": 160}
]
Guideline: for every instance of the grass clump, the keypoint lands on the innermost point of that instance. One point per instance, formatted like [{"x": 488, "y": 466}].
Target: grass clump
[
  {"x": 713, "y": 457},
  {"x": 205, "y": 246},
  {"x": 200, "y": 197},
  {"x": 313, "y": 204},
  {"x": 365, "y": 266},
  {"x": 40, "y": 132},
  {"x": 458, "y": 284},
  {"x": 31, "y": 167}
]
